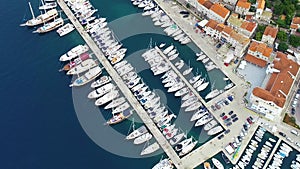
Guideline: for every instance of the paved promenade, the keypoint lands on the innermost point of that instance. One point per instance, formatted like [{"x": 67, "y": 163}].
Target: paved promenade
[{"x": 134, "y": 103}]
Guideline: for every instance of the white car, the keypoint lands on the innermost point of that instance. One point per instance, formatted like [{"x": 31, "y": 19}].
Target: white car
[
  {"x": 289, "y": 139},
  {"x": 297, "y": 144}
]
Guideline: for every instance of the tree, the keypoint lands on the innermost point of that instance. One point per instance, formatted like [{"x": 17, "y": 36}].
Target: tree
[
  {"x": 282, "y": 46},
  {"x": 268, "y": 4},
  {"x": 258, "y": 36},
  {"x": 188, "y": 5},
  {"x": 282, "y": 36},
  {"x": 294, "y": 41},
  {"x": 281, "y": 23}
]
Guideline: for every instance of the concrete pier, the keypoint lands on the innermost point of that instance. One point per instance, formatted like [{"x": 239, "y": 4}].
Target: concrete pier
[{"x": 127, "y": 93}]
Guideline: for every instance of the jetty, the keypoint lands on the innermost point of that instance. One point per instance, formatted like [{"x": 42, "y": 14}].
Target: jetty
[{"x": 127, "y": 93}]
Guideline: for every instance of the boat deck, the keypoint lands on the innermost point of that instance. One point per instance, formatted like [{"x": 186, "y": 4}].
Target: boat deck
[{"x": 127, "y": 93}]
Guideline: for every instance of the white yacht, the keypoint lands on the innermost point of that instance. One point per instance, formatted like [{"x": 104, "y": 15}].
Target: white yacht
[
  {"x": 203, "y": 120},
  {"x": 74, "y": 52},
  {"x": 64, "y": 30},
  {"x": 228, "y": 86},
  {"x": 82, "y": 67},
  {"x": 183, "y": 144},
  {"x": 143, "y": 138},
  {"x": 193, "y": 106},
  {"x": 164, "y": 164},
  {"x": 176, "y": 87},
  {"x": 188, "y": 96},
  {"x": 172, "y": 133},
  {"x": 103, "y": 80},
  {"x": 179, "y": 64},
  {"x": 150, "y": 149},
  {"x": 210, "y": 125},
  {"x": 179, "y": 36},
  {"x": 120, "y": 64},
  {"x": 160, "y": 116},
  {"x": 202, "y": 86},
  {"x": 115, "y": 103},
  {"x": 121, "y": 108},
  {"x": 133, "y": 82},
  {"x": 107, "y": 98},
  {"x": 201, "y": 57},
  {"x": 187, "y": 71},
  {"x": 194, "y": 79},
  {"x": 166, "y": 120},
  {"x": 174, "y": 56},
  {"x": 205, "y": 60},
  {"x": 188, "y": 148},
  {"x": 198, "y": 114},
  {"x": 137, "y": 132},
  {"x": 48, "y": 5},
  {"x": 182, "y": 91},
  {"x": 188, "y": 102},
  {"x": 101, "y": 91},
  {"x": 198, "y": 83},
  {"x": 213, "y": 93},
  {"x": 217, "y": 163},
  {"x": 172, "y": 52},
  {"x": 177, "y": 138},
  {"x": 215, "y": 130},
  {"x": 87, "y": 77},
  {"x": 168, "y": 49}
]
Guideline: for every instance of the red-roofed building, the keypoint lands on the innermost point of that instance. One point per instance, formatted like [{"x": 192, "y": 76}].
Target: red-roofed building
[
  {"x": 269, "y": 35},
  {"x": 258, "y": 54},
  {"x": 218, "y": 12},
  {"x": 260, "y": 7},
  {"x": 231, "y": 2},
  {"x": 271, "y": 98},
  {"x": 242, "y": 7},
  {"x": 295, "y": 24}
]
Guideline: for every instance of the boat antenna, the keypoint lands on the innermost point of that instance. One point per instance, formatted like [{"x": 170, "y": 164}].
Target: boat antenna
[{"x": 132, "y": 125}]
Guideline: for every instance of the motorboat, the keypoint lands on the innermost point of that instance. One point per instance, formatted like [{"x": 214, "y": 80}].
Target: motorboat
[
  {"x": 74, "y": 52},
  {"x": 185, "y": 150},
  {"x": 87, "y": 77},
  {"x": 182, "y": 91},
  {"x": 121, "y": 108},
  {"x": 166, "y": 120},
  {"x": 205, "y": 60},
  {"x": 103, "y": 80},
  {"x": 168, "y": 129},
  {"x": 150, "y": 149},
  {"x": 164, "y": 164},
  {"x": 217, "y": 163},
  {"x": 202, "y": 86},
  {"x": 137, "y": 132},
  {"x": 203, "y": 120},
  {"x": 179, "y": 64},
  {"x": 115, "y": 103},
  {"x": 173, "y": 141},
  {"x": 207, "y": 165},
  {"x": 171, "y": 134},
  {"x": 194, "y": 79},
  {"x": 160, "y": 116},
  {"x": 48, "y": 5},
  {"x": 76, "y": 61},
  {"x": 198, "y": 83},
  {"x": 117, "y": 118},
  {"x": 188, "y": 96},
  {"x": 172, "y": 57},
  {"x": 172, "y": 52},
  {"x": 213, "y": 93},
  {"x": 183, "y": 144},
  {"x": 120, "y": 64},
  {"x": 228, "y": 86},
  {"x": 107, "y": 98},
  {"x": 168, "y": 49},
  {"x": 64, "y": 30},
  {"x": 187, "y": 71},
  {"x": 101, "y": 91},
  {"x": 201, "y": 57},
  {"x": 82, "y": 67},
  {"x": 143, "y": 138},
  {"x": 193, "y": 106},
  {"x": 210, "y": 125},
  {"x": 176, "y": 87},
  {"x": 133, "y": 82},
  {"x": 188, "y": 102},
  {"x": 215, "y": 130},
  {"x": 198, "y": 114}
]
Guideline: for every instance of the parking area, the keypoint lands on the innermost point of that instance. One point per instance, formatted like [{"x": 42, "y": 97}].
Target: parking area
[{"x": 294, "y": 108}]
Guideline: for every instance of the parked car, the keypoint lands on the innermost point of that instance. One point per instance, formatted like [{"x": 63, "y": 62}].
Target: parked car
[
  {"x": 223, "y": 114},
  {"x": 289, "y": 139},
  {"x": 295, "y": 132},
  {"x": 227, "y": 131},
  {"x": 293, "y": 111},
  {"x": 282, "y": 134},
  {"x": 224, "y": 117},
  {"x": 249, "y": 120},
  {"x": 220, "y": 136},
  {"x": 233, "y": 116},
  {"x": 230, "y": 113},
  {"x": 218, "y": 45},
  {"x": 235, "y": 119},
  {"x": 227, "y": 120},
  {"x": 228, "y": 124}
]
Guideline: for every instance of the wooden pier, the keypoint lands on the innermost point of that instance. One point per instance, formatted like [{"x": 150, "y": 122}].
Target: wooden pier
[{"x": 127, "y": 93}]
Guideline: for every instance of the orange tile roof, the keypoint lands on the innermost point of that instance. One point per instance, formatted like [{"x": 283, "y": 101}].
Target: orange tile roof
[
  {"x": 220, "y": 10},
  {"x": 296, "y": 20},
  {"x": 261, "y": 48},
  {"x": 201, "y": 1},
  {"x": 279, "y": 83},
  {"x": 243, "y": 4},
  {"x": 220, "y": 27},
  {"x": 212, "y": 24},
  {"x": 207, "y": 4},
  {"x": 271, "y": 31},
  {"x": 255, "y": 60},
  {"x": 227, "y": 30},
  {"x": 294, "y": 26},
  {"x": 261, "y": 4},
  {"x": 249, "y": 26},
  {"x": 266, "y": 95},
  {"x": 249, "y": 17}
]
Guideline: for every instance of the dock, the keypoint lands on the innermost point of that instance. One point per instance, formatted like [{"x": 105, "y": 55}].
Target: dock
[
  {"x": 127, "y": 93},
  {"x": 271, "y": 154}
]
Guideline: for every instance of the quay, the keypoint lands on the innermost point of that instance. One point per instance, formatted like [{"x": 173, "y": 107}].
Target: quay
[{"x": 164, "y": 144}]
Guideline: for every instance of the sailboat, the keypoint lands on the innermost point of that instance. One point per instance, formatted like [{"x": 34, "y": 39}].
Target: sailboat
[
  {"x": 50, "y": 26},
  {"x": 150, "y": 148},
  {"x": 43, "y": 18},
  {"x": 187, "y": 71}
]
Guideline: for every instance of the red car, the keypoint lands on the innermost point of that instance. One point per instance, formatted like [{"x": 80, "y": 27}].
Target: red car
[{"x": 224, "y": 117}]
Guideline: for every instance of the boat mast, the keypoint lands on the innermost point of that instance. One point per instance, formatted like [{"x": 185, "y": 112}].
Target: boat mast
[{"x": 31, "y": 10}]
